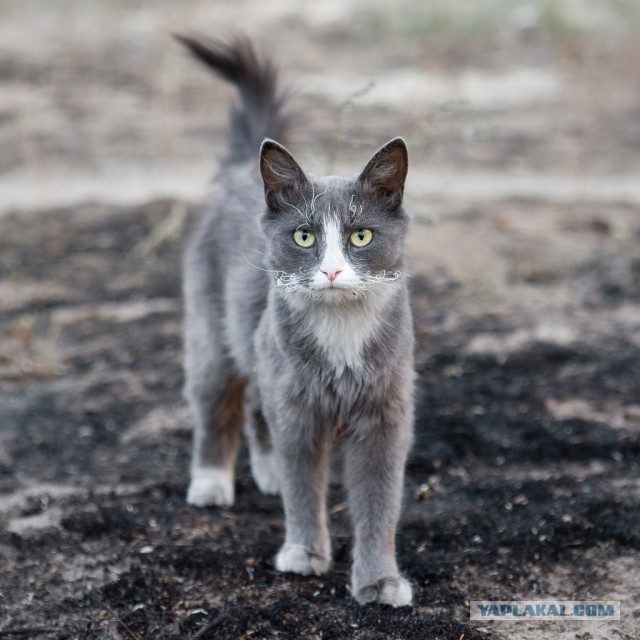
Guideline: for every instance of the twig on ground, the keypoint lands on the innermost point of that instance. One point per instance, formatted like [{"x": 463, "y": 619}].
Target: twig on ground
[
  {"x": 212, "y": 625},
  {"x": 123, "y": 624}
]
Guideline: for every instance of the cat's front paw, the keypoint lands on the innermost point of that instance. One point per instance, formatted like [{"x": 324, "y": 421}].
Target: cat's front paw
[
  {"x": 394, "y": 591},
  {"x": 211, "y": 486},
  {"x": 298, "y": 559}
]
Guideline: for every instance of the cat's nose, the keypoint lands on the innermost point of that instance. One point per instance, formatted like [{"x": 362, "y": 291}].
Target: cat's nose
[{"x": 332, "y": 275}]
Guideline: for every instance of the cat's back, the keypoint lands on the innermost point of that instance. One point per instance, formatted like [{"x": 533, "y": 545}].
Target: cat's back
[
  {"x": 229, "y": 228},
  {"x": 228, "y": 253}
]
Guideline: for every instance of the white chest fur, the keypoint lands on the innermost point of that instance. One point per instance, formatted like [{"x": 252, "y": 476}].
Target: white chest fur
[{"x": 345, "y": 331}]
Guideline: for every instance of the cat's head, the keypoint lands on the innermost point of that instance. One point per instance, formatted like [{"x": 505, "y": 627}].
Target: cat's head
[{"x": 333, "y": 239}]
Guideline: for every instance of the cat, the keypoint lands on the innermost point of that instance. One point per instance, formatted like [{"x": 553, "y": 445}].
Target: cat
[{"x": 298, "y": 328}]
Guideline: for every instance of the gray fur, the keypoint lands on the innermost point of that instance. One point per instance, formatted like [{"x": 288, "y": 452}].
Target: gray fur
[{"x": 316, "y": 369}]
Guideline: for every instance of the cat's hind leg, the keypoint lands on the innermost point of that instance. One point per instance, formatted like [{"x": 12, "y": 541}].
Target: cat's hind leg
[
  {"x": 215, "y": 394},
  {"x": 261, "y": 456}
]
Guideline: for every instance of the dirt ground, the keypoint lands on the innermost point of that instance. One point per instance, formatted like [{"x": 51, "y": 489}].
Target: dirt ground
[{"x": 523, "y": 123}]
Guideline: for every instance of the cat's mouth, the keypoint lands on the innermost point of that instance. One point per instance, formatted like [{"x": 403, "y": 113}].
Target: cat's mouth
[
  {"x": 336, "y": 292},
  {"x": 334, "y": 286}
]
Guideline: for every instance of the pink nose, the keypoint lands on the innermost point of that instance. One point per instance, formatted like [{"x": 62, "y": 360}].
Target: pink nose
[{"x": 332, "y": 275}]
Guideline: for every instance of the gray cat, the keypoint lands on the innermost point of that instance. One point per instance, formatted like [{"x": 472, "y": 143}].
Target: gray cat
[{"x": 298, "y": 327}]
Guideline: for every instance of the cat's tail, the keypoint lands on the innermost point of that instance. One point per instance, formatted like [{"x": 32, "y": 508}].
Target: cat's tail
[{"x": 261, "y": 113}]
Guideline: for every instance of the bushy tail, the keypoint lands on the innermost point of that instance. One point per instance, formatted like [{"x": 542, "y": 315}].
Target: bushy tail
[{"x": 261, "y": 113}]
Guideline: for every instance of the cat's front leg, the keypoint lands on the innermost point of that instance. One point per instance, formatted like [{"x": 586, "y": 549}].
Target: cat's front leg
[
  {"x": 302, "y": 458},
  {"x": 375, "y": 455}
]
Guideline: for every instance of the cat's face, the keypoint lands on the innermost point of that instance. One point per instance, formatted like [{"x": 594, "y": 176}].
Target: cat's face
[{"x": 335, "y": 240}]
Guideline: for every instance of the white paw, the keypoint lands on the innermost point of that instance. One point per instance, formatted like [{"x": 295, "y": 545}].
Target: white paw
[
  {"x": 392, "y": 591},
  {"x": 265, "y": 472},
  {"x": 211, "y": 486},
  {"x": 298, "y": 559}
]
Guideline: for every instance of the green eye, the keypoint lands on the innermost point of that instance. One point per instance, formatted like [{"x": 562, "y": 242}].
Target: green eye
[
  {"x": 304, "y": 238},
  {"x": 361, "y": 237}
]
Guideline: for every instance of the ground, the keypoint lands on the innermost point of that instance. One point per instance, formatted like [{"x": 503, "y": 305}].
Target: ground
[{"x": 523, "y": 125}]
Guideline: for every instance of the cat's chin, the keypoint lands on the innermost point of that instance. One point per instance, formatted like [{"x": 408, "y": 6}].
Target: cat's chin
[{"x": 334, "y": 295}]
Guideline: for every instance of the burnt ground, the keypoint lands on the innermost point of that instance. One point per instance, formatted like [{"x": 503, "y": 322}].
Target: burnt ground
[
  {"x": 511, "y": 489},
  {"x": 523, "y": 481}
]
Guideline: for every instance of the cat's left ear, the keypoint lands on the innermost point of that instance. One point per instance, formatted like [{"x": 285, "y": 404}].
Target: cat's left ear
[{"x": 386, "y": 173}]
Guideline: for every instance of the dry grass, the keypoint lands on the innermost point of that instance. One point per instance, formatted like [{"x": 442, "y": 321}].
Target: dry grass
[{"x": 26, "y": 354}]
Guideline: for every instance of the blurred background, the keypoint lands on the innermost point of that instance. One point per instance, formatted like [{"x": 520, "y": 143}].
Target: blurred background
[{"x": 496, "y": 97}]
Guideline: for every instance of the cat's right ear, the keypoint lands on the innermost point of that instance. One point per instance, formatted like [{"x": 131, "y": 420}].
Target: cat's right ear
[{"x": 281, "y": 175}]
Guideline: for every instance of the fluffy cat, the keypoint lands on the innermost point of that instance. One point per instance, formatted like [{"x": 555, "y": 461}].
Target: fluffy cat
[{"x": 298, "y": 328}]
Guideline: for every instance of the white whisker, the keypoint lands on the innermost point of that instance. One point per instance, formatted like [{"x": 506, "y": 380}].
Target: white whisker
[
  {"x": 355, "y": 210},
  {"x": 306, "y": 204},
  {"x": 293, "y": 206},
  {"x": 382, "y": 277},
  {"x": 255, "y": 266},
  {"x": 314, "y": 197},
  {"x": 290, "y": 281},
  {"x": 256, "y": 251}
]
